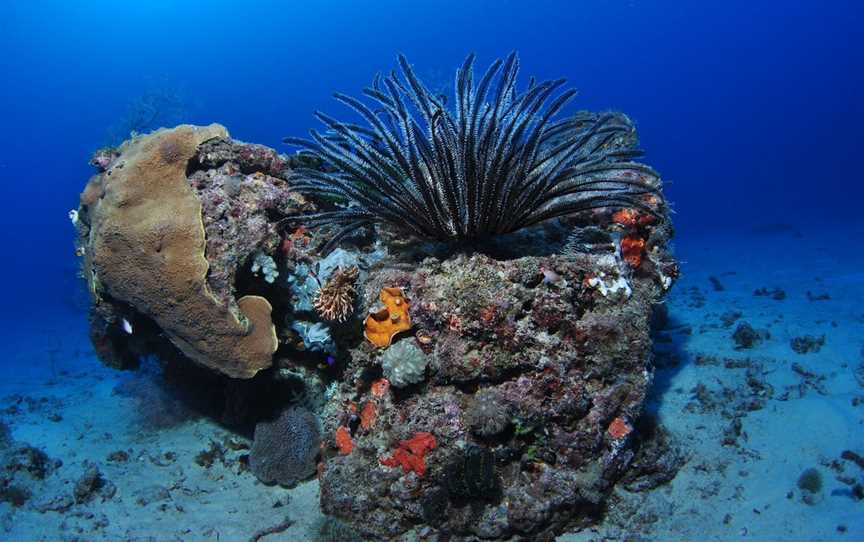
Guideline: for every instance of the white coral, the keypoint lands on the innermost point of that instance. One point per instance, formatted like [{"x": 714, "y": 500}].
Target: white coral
[
  {"x": 262, "y": 263},
  {"x": 404, "y": 363}
]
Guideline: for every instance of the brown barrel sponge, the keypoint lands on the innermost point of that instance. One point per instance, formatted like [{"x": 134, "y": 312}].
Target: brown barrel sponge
[{"x": 145, "y": 247}]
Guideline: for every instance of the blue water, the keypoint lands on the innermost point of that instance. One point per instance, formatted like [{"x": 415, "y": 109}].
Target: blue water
[{"x": 751, "y": 111}]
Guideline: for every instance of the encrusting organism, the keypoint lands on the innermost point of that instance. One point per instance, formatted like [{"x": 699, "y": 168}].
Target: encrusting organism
[
  {"x": 382, "y": 325},
  {"x": 335, "y": 300},
  {"x": 496, "y": 164},
  {"x": 487, "y": 414},
  {"x": 411, "y": 453}
]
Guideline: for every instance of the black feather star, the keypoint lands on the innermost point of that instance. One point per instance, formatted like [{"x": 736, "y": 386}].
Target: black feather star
[{"x": 498, "y": 164}]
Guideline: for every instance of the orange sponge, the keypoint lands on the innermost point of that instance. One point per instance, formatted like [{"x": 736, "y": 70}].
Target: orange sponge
[{"x": 380, "y": 327}]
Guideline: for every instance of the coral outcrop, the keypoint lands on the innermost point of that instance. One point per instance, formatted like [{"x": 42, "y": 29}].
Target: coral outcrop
[
  {"x": 491, "y": 390},
  {"x": 537, "y": 367},
  {"x": 166, "y": 245}
]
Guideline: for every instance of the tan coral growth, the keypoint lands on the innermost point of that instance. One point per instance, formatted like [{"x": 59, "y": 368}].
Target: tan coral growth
[
  {"x": 335, "y": 300},
  {"x": 382, "y": 325},
  {"x": 146, "y": 246}
]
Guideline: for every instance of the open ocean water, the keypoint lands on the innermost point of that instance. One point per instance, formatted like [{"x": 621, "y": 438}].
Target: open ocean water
[{"x": 751, "y": 112}]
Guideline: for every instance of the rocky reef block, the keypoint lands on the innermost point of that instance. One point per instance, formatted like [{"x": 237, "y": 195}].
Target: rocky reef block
[
  {"x": 538, "y": 368},
  {"x": 143, "y": 242}
]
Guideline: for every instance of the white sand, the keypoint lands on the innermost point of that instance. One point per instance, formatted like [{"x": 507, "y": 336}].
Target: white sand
[{"x": 748, "y": 491}]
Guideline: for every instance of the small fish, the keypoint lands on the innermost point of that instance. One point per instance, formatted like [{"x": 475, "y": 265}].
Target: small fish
[{"x": 127, "y": 327}]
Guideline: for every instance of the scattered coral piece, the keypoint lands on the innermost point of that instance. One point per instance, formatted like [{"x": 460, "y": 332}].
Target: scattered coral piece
[
  {"x": 807, "y": 344},
  {"x": 810, "y": 483},
  {"x": 411, "y": 453},
  {"x": 716, "y": 285},
  {"x": 746, "y": 337},
  {"x": 92, "y": 484},
  {"x": 381, "y": 326},
  {"x": 776, "y": 294}
]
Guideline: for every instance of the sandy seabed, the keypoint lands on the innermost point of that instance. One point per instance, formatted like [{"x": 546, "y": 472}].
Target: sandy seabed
[{"x": 749, "y": 420}]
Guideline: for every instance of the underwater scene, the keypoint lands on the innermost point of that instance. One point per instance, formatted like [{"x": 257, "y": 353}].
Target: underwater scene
[{"x": 345, "y": 271}]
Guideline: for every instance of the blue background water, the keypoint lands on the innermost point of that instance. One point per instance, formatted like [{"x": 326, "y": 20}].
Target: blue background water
[{"x": 750, "y": 110}]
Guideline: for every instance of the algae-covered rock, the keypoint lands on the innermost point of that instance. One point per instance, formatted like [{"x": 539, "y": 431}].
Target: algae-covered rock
[{"x": 535, "y": 374}]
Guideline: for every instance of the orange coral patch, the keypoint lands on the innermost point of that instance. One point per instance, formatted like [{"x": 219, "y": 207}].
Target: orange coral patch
[
  {"x": 631, "y": 249},
  {"x": 368, "y": 415},
  {"x": 344, "y": 441},
  {"x": 380, "y": 387},
  {"x": 625, "y": 217},
  {"x": 380, "y": 327},
  {"x": 420, "y": 443},
  {"x": 411, "y": 453},
  {"x": 632, "y": 217},
  {"x": 619, "y": 428}
]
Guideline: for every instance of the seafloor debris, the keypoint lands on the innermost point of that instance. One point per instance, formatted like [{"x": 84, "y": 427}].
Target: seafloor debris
[
  {"x": 23, "y": 469},
  {"x": 807, "y": 344},
  {"x": 746, "y": 336},
  {"x": 491, "y": 391}
]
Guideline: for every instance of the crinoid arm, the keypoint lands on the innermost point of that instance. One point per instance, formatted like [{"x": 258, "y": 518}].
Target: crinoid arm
[{"x": 495, "y": 164}]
